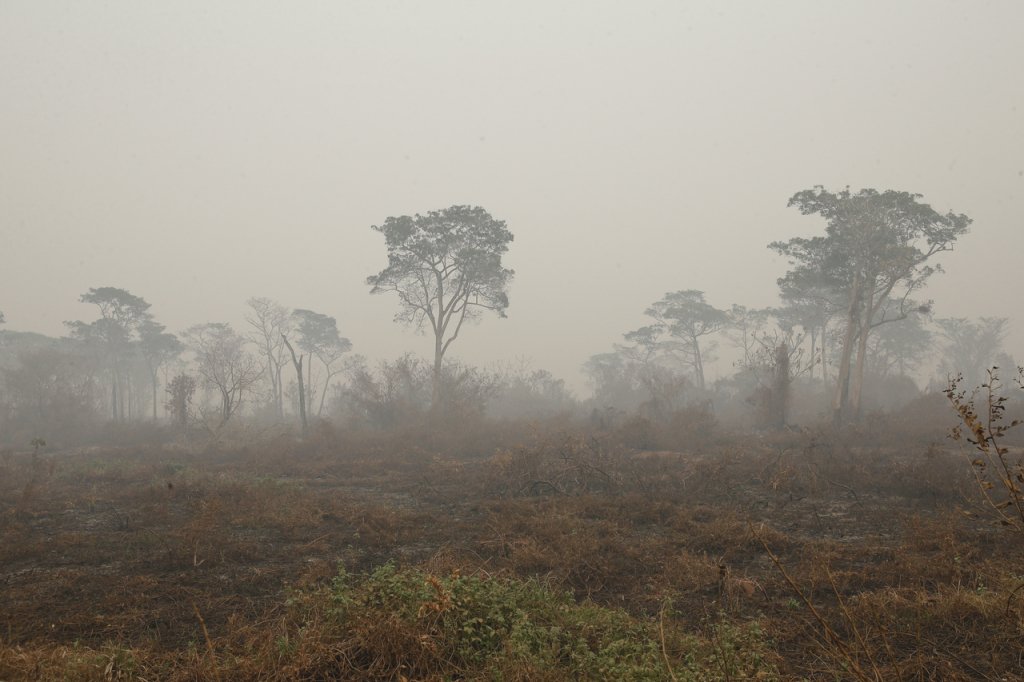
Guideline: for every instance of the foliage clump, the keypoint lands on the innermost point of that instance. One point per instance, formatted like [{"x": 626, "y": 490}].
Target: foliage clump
[{"x": 421, "y": 626}]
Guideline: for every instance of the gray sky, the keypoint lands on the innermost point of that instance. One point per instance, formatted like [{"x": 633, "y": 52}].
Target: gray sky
[{"x": 198, "y": 154}]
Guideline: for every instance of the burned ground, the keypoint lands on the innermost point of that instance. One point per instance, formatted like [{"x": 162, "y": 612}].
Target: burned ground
[{"x": 850, "y": 562}]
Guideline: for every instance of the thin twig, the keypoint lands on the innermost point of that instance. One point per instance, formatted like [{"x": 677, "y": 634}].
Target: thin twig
[
  {"x": 830, "y": 635},
  {"x": 209, "y": 643},
  {"x": 853, "y": 624}
]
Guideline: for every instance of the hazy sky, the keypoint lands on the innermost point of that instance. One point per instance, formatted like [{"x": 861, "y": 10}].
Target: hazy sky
[{"x": 199, "y": 153}]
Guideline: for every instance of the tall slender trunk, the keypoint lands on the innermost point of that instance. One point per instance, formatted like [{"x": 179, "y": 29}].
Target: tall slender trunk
[
  {"x": 435, "y": 400},
  {"x": 839, "y": 400},
  {"x": 225, "y": 407},
  {"x": 781, "y": 387},
  {"x": 857, "y": 384},
  {"x": 123, "y": 396},
  {"x": 279, "y": 392},
  {"x": 813, "y": 335},
  {"x": 439, "y": 327},
  {"x": 272, "y": 371},
  {"x": 323, "y": 392},
  {"x": 824, "y": 357},
  {"x": 297, "y": 363},
  {"x": 309, "y": 383},
  {"x": 698, "y": 363}
]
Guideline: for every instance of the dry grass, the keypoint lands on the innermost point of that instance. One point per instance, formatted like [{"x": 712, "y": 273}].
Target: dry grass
[{"x": 158, "y": 563}]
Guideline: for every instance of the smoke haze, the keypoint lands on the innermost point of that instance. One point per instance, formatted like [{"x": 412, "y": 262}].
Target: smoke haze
[{"x": 198, "y": 154}]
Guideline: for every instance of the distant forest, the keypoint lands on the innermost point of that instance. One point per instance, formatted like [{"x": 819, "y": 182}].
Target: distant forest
[{"x": 853, "y": 333}]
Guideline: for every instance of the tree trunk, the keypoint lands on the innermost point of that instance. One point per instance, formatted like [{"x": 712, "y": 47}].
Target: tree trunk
[
  {"x": 435, "y": 400},
  {"x": 810, "y": 373},
  {"x": 439, "y": 326},
  {"x": 297, "y": 362},
  {"x": 309, "y": 384},
  {"x": 857, "y": 385},
  {"x": 274, "y": 376},
  {"x": 780, "y": 389},
  {"x": 824, "y": 358},
  {"x": 698, "y": 363},
  {"x": 323, "y": 392},
  {"x": 843, "y": 380},
  {"x": 225, "y": 407},
  {"x": 278, "y": 391}
]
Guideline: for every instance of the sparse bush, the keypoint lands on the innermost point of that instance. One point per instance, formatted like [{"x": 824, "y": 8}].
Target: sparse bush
[
  {"x": 561, "y": 465},
  {"x": 689, "y": 429},
  {"x": 1000, "y": 473}
]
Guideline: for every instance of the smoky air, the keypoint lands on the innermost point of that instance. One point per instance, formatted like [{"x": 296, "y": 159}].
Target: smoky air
[{"x": 477, "y": 341}]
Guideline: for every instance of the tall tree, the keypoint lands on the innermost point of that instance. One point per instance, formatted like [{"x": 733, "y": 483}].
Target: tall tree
[
  {"x": 297, "y": 361},
  {"x": 971, "y": 346},
  {"x": 773, "y": 355},
  {"x": 158, "y": 348},
  {"x": 641, "y": 374},
  {"x": 270, "y": 323},
  {"x": 811, "y": 304},
  {"x": 122, "y": 314},
  {"x": 614, "y": 380},
  {"x": 224, "y": 364},
  {"x": 446, "y": 268},
  {"x": 320, "y": 338},
  {"x": 50, "y": 390},
  {"x": 180, "y": 390},
  {"x": 744, "y": 328},
  {"x": 898, "y": 349},
  {"x": 688, "y": 318},
  {"x": 876, "y": 248}
]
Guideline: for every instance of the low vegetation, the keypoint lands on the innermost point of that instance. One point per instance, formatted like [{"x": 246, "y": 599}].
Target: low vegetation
[{"x": 554, "y": 552}]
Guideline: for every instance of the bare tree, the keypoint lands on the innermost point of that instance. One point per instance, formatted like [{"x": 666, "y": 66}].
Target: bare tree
[
  {"x": 297, "y": 361},
  {"x": 224, "y": 364},
  {"x": 270, "y": 321}
]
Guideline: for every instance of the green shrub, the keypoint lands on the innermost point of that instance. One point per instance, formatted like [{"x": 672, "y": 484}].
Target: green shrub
[{"x": 480, "y": 627}]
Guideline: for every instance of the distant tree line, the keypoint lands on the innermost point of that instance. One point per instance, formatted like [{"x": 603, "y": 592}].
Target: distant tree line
[
  {"x": 850, "y": 321},
  {"x": 850, "y": 325}
]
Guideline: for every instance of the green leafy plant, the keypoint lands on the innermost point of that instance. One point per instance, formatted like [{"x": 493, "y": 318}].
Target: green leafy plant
[{"x": 495, "y": 628}]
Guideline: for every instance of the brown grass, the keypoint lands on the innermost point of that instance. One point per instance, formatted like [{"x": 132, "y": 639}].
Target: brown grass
[{"x": 158, "y": 563}]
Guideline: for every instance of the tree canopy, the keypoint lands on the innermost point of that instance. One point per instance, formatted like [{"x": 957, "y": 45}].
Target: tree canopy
[
  {"x": 446, "y": 268},
  {"x": 687, "y": 317},
  {"x": 320, "y": 338},
  {"x": 875, "y": 253},
  {"x": 122, "y": 316}
]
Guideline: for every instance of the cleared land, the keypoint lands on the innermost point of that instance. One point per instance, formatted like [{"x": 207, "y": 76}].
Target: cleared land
[{"x": 565, "y": 556}]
